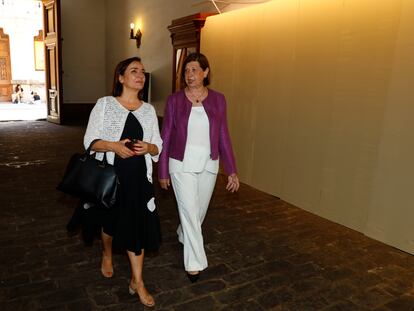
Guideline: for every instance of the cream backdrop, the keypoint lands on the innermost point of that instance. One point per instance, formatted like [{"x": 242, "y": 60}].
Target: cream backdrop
[{"x": 320, "y": 97}]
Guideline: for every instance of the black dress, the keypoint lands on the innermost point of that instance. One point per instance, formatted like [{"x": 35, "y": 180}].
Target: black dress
[{"x": 130, "y": 222}]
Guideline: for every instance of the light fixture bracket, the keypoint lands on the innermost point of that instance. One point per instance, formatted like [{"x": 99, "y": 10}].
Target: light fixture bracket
[{"x": 137, "y": 36}]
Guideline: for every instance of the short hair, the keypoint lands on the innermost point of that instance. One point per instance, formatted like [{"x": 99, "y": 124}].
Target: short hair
[
  {"x": 117, "y": 87},
  {"x": 202, "y": 60}
]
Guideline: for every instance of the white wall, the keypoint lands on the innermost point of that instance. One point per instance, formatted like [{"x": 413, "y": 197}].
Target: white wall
[
  {"x": 320, "y": 99},
  {"x": 390, "y": 214},
  {"x": 84, "y": 34},
  {"x": 22, "y": 20}
]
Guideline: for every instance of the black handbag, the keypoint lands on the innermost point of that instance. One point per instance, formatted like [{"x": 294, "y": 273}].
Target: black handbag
[{"x": 89, "y": 179}]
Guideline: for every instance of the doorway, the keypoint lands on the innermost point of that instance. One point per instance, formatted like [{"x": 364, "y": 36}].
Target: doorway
[{"x": 22, "y": 61}]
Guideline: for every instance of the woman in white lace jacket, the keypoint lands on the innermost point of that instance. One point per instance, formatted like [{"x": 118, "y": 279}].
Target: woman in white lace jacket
[
  {"x": 107, "y": 122},
  {"x": 127, "y": 130}
]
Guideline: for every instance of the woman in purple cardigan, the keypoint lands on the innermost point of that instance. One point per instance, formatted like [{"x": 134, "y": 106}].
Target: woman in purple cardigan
[{"x": 195, "y": 136}]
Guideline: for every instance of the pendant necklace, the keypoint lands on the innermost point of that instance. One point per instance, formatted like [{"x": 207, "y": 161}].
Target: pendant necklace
[{"x": 199, "y": 97}]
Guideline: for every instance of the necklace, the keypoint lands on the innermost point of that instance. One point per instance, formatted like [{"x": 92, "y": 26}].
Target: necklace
[
  {"x": 130, "y": 105},
  {"x": 196, "y": 97}
]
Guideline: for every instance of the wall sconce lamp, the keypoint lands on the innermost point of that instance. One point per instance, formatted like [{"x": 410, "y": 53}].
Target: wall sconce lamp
[{"x": 137, "y": 36}]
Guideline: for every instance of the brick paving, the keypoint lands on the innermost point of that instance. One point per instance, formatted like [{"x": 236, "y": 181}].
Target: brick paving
[{"x": 264, "y": 254}]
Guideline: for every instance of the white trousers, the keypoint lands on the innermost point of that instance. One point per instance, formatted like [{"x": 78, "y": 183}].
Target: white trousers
[{"x": 193, "y": 193}]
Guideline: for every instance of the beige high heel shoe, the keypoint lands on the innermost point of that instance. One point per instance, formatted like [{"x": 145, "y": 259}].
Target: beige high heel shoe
[{"x": 145, "y": 298}]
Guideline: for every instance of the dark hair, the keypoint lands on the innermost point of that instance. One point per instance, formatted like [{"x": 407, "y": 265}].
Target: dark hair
[
  {"x": 17, "y": 88},
  {"x": 202, "y": 60},
  {"x": 117, "y": 86}
]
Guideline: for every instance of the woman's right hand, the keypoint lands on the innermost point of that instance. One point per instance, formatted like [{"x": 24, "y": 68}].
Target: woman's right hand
[
  {"x": 165, "y": 183},
  {"x": 121, "y": 150}
]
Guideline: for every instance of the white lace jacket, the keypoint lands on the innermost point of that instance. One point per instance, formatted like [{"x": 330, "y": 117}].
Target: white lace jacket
[{"x": 107, "y": 122}]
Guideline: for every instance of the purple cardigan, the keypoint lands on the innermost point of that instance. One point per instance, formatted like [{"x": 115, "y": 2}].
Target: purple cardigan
[{"x": 174, "y": 131}]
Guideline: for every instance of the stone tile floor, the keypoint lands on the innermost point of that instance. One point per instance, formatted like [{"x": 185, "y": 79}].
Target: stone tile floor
[{"x": 264, "y": 254}]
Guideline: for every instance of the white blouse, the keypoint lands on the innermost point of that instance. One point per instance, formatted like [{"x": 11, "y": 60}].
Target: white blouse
[
  {"x": 107, "y": 121},
  {"x": 197, "y": 149}
]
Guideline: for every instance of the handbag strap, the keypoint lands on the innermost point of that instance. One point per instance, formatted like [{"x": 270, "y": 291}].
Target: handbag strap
[
  {"x": 91, "y": 144},
  {"x": 88, "y": 151}
]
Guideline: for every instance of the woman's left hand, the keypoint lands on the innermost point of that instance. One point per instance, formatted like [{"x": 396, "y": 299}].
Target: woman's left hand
[
  {"x": 142, "y": 147},
  {"x": 233, "y": 183}
]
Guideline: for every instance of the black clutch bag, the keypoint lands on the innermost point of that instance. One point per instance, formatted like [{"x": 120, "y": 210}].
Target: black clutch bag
[{"x": 90, "y": 179}]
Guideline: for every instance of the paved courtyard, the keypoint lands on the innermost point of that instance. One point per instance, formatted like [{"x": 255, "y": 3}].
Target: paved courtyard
[
  {"x": 264, "y": 254},
  {"x": 22, "y": 111}
]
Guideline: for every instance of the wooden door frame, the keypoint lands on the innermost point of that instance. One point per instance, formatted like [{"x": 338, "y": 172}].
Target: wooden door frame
[
  {"x": 5, "y": 37},
  {"x": 52, "y": 40},
  {"x": 185, "y": 35}
]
